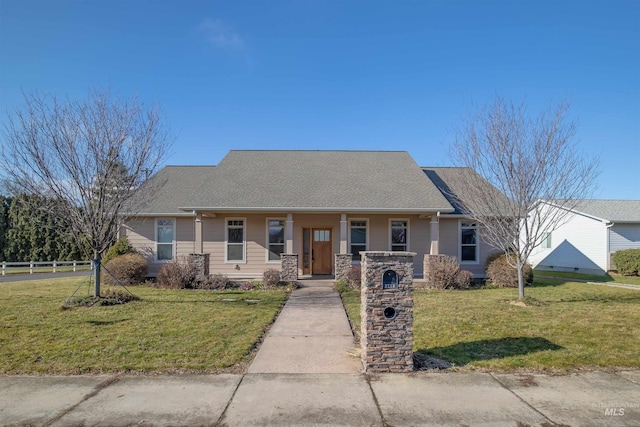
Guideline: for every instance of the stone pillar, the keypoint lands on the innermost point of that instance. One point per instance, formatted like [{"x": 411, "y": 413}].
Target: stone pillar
[
  {"x": 343, "y": 236},
  {"x": 435, "y": 235},
  {"x": 201, "y": 263},
  {"x": 343, "y": 265},
  {"x": 288, "y": 234},
  {"x": 426, "y": 267},
  {"x": 387, "y": 311},
  {"x": 289, "y": 267}
]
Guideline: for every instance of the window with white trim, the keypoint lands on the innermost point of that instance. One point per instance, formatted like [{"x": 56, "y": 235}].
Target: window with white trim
[
  {"x": 468, "y": 241},
  {"x": 357, "y": 237},
  {"x": 165, "y": 239},
  {"x": 546, "y": 241},
  {"x": 275, "y": 239},
  {"x": 399, "y": 235},
  {"x": 235, "y": 240}
]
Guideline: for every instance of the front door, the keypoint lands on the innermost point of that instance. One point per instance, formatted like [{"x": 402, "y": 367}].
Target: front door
[{"x": 318, "y": 251}]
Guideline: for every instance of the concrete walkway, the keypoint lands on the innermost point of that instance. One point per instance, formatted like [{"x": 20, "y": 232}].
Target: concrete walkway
[{"x": 311, "y": 335}]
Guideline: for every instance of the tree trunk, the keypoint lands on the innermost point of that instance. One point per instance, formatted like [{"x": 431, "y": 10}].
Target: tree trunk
[
  {"x": 96, "y": 266},
  {"x": 520, "y": 280}
]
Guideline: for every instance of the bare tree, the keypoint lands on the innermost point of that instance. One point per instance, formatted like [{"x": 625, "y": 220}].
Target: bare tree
[
  {"x": 528, "y": 158},
  {"x": 91, "y": 155}
]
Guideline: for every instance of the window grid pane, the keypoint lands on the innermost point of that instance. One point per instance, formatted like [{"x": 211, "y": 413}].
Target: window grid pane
[{"x": 468, "y": 241}]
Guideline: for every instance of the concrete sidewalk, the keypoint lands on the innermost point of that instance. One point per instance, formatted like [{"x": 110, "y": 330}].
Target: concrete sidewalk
[
  {"x": 311, "y": 335},
  {"x": 439, "y": 399}
]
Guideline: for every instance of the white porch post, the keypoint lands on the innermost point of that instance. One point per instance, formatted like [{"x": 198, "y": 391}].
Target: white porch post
[
  {"x": 435, "y": 234},
  {"x": 288, "y": 234},
  {"x": 343, "y": 234},
  {"x": 198, "y": 233}
]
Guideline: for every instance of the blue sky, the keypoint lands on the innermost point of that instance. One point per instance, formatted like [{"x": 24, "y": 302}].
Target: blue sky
[{"x": 383, "y": 75}]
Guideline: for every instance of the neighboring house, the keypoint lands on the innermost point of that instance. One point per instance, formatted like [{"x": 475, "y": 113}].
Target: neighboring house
[
  {"x": 589, "y": 235},
  {"x": 255, "y": 207}
]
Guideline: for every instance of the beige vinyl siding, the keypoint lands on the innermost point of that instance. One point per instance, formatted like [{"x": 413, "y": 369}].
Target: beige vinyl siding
[
  {"x": 450, "y": 242},
  {"x": 141, "y": 235},
  {"x": 255, "y": 245}
]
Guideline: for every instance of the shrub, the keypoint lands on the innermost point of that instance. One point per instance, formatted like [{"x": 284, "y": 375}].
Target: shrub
[
  {"x": 502, "y": 275},
  {"x": 341, "y": 286},
  {"x": 176, "y": 275},
  {"x": 271, "y": 278},
  {"x": 463, "y": 279},
  {"x": 354, "y": 277},
  {"x": 627, "y": 262},
  {"x": 127, "y": 270},
  {"x": 121, "y": 247},
  {"x": 442, "y": 272},
  {"x": 215, "y": 282}
]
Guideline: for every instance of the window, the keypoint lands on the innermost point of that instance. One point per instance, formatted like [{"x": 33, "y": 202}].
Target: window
[
  {"x": 468, "y": 242},
  {"x": 235, "y": 240},
  {"x": 357, "y": 237},
  {"x": 275, "y": 237},
  {"x": 165, "y": 229},
  {"x": 546, "y": 240},
  {"x": 399, "y": 235},
  {"x": 321, "y": 235}
]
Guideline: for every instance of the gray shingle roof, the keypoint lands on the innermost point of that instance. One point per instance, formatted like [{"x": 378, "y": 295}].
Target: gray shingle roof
[
  {"x": 319, "y": 180},
  {"x": 174, "y": 186},
  {"x": 612, "y": 210},
  {"x": 451, "y": 181}
]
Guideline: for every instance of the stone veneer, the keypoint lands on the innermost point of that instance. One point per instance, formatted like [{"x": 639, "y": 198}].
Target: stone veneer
[
  {"x": 201, "y": 264},
  {"x": 387, "y": 344},
  {"x": 426, "y": 267},
  {"x": 289, "y": 271},
  {"x": 344, "y": 262}
]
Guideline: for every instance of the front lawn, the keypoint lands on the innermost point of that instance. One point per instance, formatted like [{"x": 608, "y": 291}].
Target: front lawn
[
  {"x": 166, "y": 331},
  {"x": 565, "y": 326}
]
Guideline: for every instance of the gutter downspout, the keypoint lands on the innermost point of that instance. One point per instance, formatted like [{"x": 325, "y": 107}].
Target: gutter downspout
[{"x": 608, "y": 246}]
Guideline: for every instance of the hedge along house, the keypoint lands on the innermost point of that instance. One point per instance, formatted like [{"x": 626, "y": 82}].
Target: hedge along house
[{"x": 305, "y": 213}]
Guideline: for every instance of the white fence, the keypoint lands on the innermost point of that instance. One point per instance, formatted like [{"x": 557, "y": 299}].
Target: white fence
[{"x": 43, "y": 266}]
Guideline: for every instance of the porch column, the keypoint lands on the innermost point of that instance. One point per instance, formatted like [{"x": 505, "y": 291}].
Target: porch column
[
  {"x": 435, "y": 234},
  {"x": 343, "y": 234},
  {"x": 288, "y": 234},
  {"x": 198, "y": 233}
]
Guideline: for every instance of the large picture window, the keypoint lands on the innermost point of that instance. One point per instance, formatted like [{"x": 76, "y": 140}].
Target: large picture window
[
  {"x": 276, "y": 238},
  {"x": 165, "y": 232},
  {"x": 357, "y": 237},
  {"x": 468, "y": 241},
  {"x": 235, "y": 240},
  {"x": 399, "y": 235}
]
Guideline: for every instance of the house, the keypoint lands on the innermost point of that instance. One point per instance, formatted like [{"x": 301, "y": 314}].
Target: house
[
  {"x": 305, "y": 212},
  {"x": 587, "y": 238}
]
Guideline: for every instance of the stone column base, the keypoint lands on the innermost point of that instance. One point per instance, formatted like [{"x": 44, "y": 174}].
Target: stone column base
[
  {"x": 343, "y": 264},
  {"x": 289, "y": 271}
]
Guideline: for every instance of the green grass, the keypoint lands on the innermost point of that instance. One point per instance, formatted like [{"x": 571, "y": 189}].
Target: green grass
[
  {"x": 565, "y": 327},
  {"x": 610, "y": 277},
  {"x": 166, "y": 331}
]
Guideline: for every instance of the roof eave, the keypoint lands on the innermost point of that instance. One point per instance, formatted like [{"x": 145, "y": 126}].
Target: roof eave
[{"x": 313, "y": 209}]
